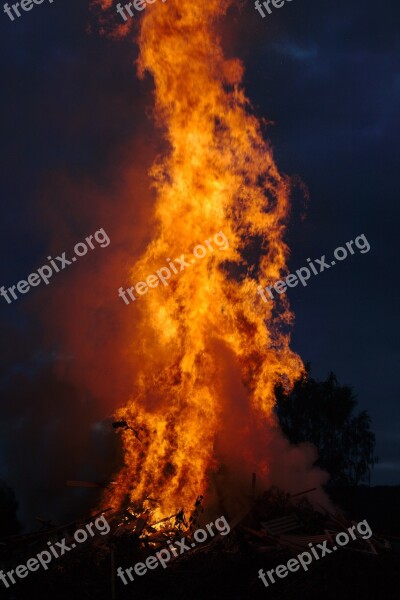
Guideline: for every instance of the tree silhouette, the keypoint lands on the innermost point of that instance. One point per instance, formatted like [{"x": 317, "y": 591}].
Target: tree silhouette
[{"x": 322, "y": 413}]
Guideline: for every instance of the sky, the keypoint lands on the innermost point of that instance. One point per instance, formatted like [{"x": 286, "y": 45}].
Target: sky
[{"x": 74, "y": 116}]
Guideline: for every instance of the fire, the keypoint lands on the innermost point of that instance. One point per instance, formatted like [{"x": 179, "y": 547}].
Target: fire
[{"x": 217, "y": 175}]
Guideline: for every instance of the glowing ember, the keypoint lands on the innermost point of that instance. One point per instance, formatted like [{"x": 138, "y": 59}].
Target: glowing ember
[{"x": 209, "y": 324}]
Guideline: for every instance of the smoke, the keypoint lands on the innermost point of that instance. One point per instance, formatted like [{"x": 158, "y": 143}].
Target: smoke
[
  {"x": 66, "y": 352},
  {"x": 249, "y": 443}
]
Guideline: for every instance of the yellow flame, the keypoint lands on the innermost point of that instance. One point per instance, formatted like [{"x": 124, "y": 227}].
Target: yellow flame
[{"x": 218, "y": 175}]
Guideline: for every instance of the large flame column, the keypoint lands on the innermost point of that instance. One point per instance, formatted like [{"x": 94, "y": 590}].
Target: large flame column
[{"x": 218, "y": 175}]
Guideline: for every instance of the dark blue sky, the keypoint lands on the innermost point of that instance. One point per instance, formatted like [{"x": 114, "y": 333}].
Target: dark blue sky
[{"x": 327, "y": 74}]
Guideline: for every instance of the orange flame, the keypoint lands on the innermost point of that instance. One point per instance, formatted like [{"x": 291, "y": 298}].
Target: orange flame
[{"x": 218, "y": 174}]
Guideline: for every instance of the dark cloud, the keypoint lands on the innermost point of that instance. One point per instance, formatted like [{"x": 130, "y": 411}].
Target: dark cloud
[{"x": 327, "y": 74}]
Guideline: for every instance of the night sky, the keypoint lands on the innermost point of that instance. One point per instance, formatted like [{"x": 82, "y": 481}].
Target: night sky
[{"x": 75, "y": 116}]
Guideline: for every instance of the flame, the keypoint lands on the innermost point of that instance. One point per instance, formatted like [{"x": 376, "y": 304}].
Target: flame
[{"x": 217, "y": 175}]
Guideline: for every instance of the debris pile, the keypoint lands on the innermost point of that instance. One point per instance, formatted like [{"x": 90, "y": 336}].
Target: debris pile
[{"x": 269, "y": 530}]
